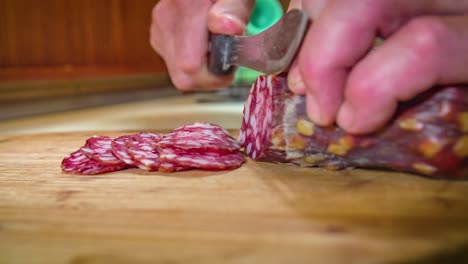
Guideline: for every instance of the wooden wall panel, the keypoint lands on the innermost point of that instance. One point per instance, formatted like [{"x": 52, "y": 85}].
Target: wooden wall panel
[
  {"x": 76, "y": 36},
  {"x": 76, "y": 33},
  {"x": 134, "y": 27}
]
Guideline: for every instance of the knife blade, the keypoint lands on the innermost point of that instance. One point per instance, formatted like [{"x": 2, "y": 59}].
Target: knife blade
[{"x": 270, "y": 51}]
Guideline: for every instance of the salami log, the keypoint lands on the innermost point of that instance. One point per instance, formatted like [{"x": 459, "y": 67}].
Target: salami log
[{"x": 427, "y": 136}]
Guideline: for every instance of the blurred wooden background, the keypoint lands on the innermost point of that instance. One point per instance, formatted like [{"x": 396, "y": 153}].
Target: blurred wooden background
[
  {"x": 65, "y": 36},
  {"x": 73, "y": 38}
]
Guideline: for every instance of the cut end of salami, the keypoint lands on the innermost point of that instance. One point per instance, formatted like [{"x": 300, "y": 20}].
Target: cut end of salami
[
  {"x": 257, "y": 118},
  {"x": 428, "y": 136}
]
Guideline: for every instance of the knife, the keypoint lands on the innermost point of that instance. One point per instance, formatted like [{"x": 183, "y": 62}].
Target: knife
[{"x": 270, "y": 51}]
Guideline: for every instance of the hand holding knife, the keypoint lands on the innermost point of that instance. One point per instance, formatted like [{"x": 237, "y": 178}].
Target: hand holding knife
[{"x": 270, "y": 51}]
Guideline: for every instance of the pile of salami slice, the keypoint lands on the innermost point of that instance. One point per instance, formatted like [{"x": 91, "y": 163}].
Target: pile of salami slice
[
  {"x": 427, "y": 136},
  {"x": 194, "y": 146}
]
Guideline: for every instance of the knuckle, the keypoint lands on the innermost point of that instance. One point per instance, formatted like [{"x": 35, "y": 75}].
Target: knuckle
[
  {"x": 313, "y": 73},
  {"x": 154, "y": 44},
  {"x": 158, "y": 10},
  {"x": 155, "y": 39},
  {"x": 180, "y": 3},
  {"x": 361, "y": 87},
  {"x": 429, "y": 34},
  {"x": 156, "y": 47},
  {"x": 164, "y": 11},
  {"x": 182, "y": 82}
]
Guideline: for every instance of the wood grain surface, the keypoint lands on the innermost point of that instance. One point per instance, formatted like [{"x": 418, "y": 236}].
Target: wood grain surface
[{"x": 259, "y": 213}]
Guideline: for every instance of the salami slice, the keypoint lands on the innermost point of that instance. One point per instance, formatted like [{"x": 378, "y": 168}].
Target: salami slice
[
  {"x": 197, "y": 145},
  {"x": 427, "y": 136},
  {"x": 171, "y": 167},
  {"x": 206, "y": 160},
  {"x": 79, "y": 163},
  {"x": 200, "y": 126},
  {"x": 142, "y": 148},
  {"x": 200, "y": 137},
  {"x": 99, "y": 148},
  {"x": 119, "y": 148}
]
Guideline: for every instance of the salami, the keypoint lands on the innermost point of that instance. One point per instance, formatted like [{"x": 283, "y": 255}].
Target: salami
[
  {"x": 120, "y": 150},
  {"x": 200, "y": 137},
  {"x": 193, "y": 146},
  {"x": 79, "y": 163},
  {"x": 172, "y": 167},
  {"x": 427, "y": 136},
  {"x": 99, "y": 148},
  {"x": 143, "y": 151},
  {"x": 207, "y": 160}
]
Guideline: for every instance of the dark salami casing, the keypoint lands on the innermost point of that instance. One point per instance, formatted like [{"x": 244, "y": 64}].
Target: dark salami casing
[{"x": 427, "y": 136}]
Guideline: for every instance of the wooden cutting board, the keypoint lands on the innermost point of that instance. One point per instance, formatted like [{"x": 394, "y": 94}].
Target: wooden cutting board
[{"x": 259, "y": 213}]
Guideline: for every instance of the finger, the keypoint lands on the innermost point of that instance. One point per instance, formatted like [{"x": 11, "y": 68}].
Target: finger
[
  {"x": 295, "y": 83},
  {"x": 230, "y": 17},
  {"x": 201, "y": 80},
  {"x": 314, "y": 8},
  {"x": 186, "y": 55},
  {"x": 162, "y": 28},
  {"x": 295, "y": 4},
  {"x": 341, "y": 35},
  {"x": 425, "y": 52},
  {"x": 154, "y": 41},
  {"x": 187, "y": 47}
]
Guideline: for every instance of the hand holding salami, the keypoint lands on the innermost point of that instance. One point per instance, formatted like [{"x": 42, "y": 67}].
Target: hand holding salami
[
  {"x": 428, "y": 136},
  {"x": 350, "y": 81}
]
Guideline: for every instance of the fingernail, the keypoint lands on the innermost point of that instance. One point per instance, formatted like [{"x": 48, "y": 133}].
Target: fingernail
[
  {"x": 346, "y": 116},
  {"x": 313, "y": 109},
  {"x": 233, "y": 18},
  {"x": 295, "y": 82}
]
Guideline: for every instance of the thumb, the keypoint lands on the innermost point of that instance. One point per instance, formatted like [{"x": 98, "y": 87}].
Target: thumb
[{"x": 230, "y": 17}]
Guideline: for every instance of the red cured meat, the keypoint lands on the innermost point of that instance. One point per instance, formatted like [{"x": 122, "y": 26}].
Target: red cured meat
[
  {"x": 427, "y": 136},
  {"x": 119, "y": 149},
  {"x": 200, "y": 137},
  {"x": 143, "y": 151},
  {"x": 79, "y": 163},
  {"x": 171, "y": 167},
  {"x": 258, "y": 115},
  {"x": 206, "y": 160},
  {"x": 200, "y": 126},
  {"x": 99, "y": 148},
  {"x": 197, "y": 145}
]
